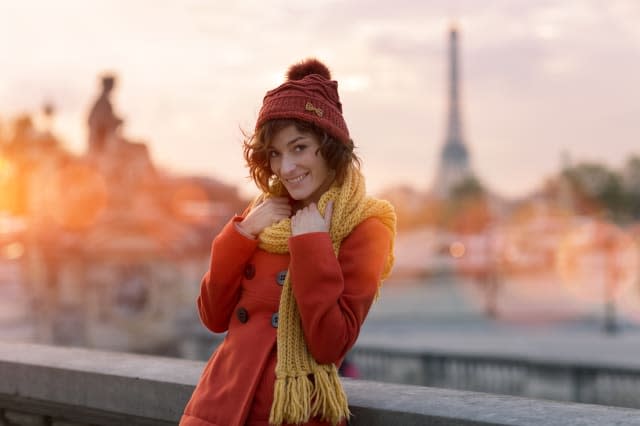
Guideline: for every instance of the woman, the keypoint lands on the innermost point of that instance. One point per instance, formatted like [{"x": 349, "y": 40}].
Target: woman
[{"x": 292, "y": 279}]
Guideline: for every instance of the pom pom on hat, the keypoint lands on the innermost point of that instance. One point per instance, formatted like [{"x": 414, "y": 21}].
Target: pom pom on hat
[{"x": 307, "y": 67}]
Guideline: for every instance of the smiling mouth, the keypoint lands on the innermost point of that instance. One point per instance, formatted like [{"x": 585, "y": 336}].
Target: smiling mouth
[{"x": 297, "y": 179}]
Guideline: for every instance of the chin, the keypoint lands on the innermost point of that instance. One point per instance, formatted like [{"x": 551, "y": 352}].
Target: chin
[
  {"x": 298, "y": 197},
  {"x": 296, "y": 193}
]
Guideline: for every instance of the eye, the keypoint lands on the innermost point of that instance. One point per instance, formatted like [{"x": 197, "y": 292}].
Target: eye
[
  {"x": 299, "y": 147},
  {"x": 273, "y": 154}
]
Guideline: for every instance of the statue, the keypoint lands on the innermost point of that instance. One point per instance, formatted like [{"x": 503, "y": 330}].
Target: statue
[{"x": 103, "y": 123}]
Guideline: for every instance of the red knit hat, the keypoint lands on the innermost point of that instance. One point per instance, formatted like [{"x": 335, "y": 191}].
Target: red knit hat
[{"x": 309, "y": 95}]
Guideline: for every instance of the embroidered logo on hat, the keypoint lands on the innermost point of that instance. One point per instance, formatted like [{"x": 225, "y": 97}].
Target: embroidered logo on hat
[{"x": 310, "y": 107}]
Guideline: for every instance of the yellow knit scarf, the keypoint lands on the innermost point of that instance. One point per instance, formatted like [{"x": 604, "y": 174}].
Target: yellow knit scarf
[{"x": 304, "y": 388}]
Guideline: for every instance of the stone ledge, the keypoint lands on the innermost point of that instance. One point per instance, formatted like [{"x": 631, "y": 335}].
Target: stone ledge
[
  {"x": 97, "y": 380},
  {"x": 73, "y": 414},
  {"x": 25, "y": 419},
  {"x": 106, "y": 388},
  {"x": 375, "y": 403}
]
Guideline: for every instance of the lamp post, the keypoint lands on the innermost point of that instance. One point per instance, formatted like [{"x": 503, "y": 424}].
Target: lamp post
[
  {"x": 612, "y": 277},
  {"x": 612, "y": 245}
]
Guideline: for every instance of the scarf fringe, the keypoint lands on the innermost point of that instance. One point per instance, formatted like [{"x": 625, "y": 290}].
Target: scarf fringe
[
  {"x": 291, "y": 400},
  {"x": 297, "y": 399},
  {"x": 329, "y": 400}
]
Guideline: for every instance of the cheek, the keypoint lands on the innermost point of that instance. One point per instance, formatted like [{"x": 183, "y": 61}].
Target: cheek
[
  {"x": 323, "y": 165},
  {"x": 273, "y": 165}
]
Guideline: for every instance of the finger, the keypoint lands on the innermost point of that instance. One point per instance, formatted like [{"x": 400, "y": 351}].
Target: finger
[
  {"x": 280, "y": 200},
  {"x": 328, "y": 212},
  {"x": 285, "y": 210},
  {"x": 283, "y": 215}
]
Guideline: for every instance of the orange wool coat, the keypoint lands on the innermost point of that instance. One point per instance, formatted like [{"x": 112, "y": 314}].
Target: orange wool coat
[{"x": 240, "y": 294}]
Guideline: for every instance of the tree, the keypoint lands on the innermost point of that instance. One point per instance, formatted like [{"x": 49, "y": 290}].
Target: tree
[
  {"x": 631, "y": 185},
  {"x": 467, "y": 210},
  {"x": 597, "y": 190}
]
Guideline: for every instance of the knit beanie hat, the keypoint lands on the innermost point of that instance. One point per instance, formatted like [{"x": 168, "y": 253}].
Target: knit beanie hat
[{"x": 309, "y": 95}]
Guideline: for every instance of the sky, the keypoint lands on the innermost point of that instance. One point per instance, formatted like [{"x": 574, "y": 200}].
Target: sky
[{"x": 540, "y": 79}]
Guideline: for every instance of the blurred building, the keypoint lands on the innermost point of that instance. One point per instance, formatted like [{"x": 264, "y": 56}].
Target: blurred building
[{"x": 114, "y": 249}]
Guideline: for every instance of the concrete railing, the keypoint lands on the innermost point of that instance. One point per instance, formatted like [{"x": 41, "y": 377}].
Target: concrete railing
[
  {"x": 533, "y": 377},
  {"x": 44, "y": 385}
]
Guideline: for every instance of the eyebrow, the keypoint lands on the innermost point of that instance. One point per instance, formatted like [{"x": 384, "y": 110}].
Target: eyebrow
[
  {"x": 296, "y": 139},
  {"x": 292, "y": 141}
]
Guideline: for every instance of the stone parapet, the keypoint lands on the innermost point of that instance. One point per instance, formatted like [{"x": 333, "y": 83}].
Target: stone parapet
[{"x": 44, "y": 385}]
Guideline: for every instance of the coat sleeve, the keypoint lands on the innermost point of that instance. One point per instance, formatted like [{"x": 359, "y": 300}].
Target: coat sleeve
[
  {"x": 334, "y": 294},
  {"x": 220, "y": 286}
]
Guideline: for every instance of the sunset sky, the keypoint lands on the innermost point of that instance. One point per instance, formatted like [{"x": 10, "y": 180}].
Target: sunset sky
[{"x": 539, "y": 78}]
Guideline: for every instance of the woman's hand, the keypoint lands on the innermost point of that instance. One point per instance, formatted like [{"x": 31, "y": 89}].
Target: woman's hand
[
  {"x": 265, "y": 214},
  {"x": 308, "y": 219}
]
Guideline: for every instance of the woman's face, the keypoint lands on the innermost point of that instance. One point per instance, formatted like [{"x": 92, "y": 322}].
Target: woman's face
[{"x": 294, "y": 158}]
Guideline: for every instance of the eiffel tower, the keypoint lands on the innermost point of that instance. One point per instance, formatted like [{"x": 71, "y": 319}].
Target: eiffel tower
[{"x": 454, "y": 165}]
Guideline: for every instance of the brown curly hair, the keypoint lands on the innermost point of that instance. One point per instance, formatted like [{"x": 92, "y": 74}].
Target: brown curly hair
[{"x": 338, "y": 155}]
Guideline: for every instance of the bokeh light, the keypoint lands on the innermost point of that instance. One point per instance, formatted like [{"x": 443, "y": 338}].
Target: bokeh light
[
  {"x": 13, "y": 251},
  {"x": 6, "y": 169},
  {"x": 457, "y": 249},
  {"x": 597, "y": 261}
]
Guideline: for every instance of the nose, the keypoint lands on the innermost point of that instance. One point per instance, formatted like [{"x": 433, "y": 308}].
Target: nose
[{"x": 288, "y": 165}]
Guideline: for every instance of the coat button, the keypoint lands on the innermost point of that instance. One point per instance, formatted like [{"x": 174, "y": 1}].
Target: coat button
[
  {"x": 281, "y": 276},
  {"x": 242, "y": 314},
  {"x": 274, "y": 320},
  {"x": 249, "y": 271}
]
